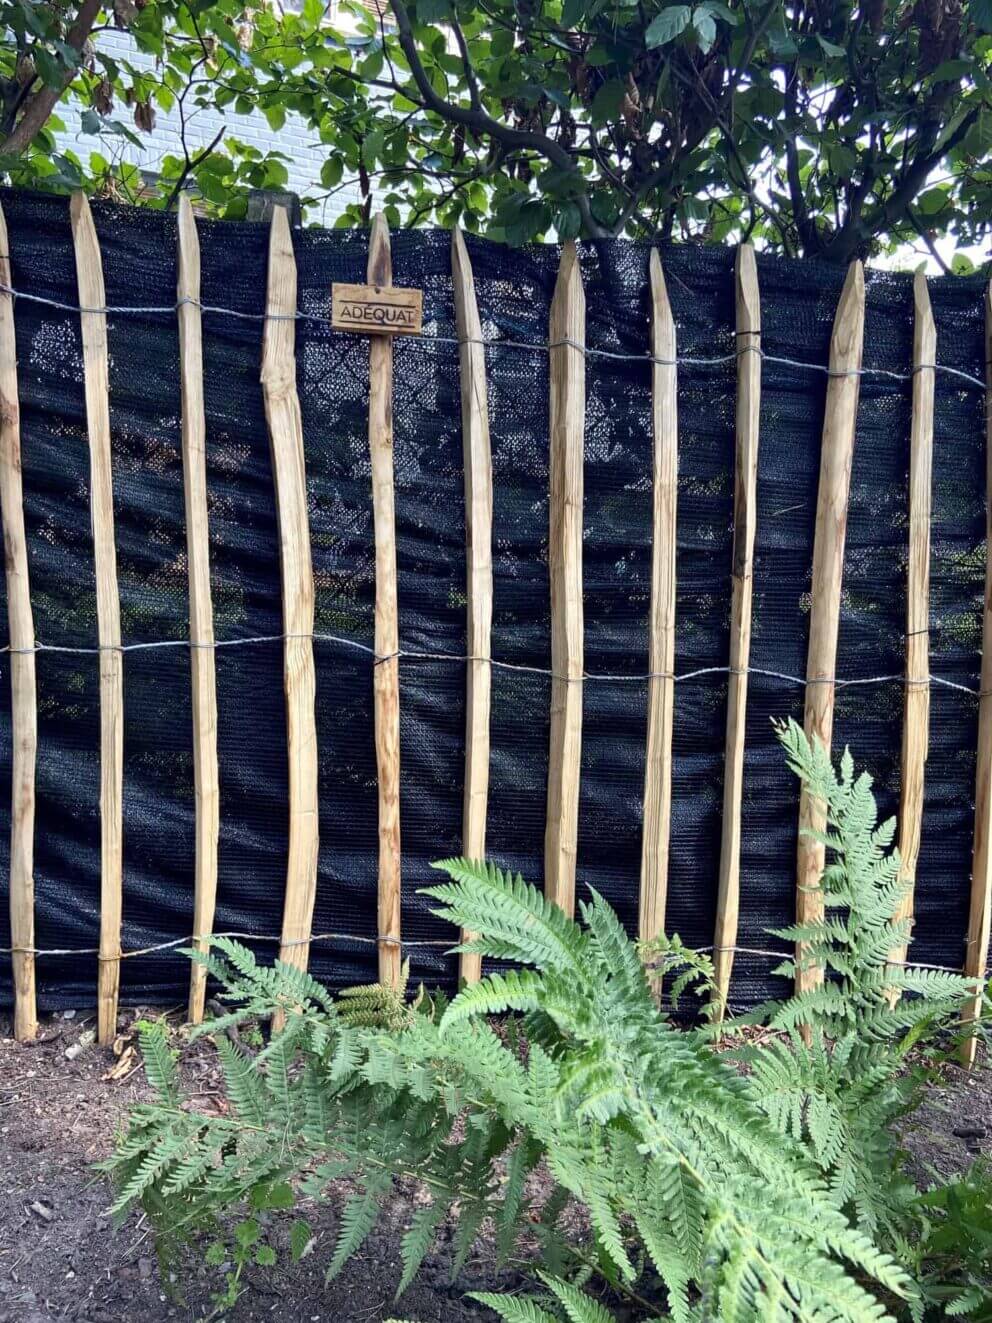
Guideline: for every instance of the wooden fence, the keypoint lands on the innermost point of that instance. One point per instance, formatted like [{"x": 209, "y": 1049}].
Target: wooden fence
[{"x": 567, "y": 424}]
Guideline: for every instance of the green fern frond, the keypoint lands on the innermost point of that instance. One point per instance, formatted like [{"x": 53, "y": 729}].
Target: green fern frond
[
  {"x": 514, "y": 1308},
  {"x": 358, "y": 1217},
  {"x": 418, "y": 1239},
  {"x": 578, "y": 1307}
]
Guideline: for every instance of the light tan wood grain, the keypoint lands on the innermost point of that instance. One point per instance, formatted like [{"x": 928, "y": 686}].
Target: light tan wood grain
[
  {"x": 980, "y": 913},
  {"x": 23, "y": 690},
  {"x": 376, "y": 309},
  {"x": 567, "y": 419},
  {"x": 386, "y": 681},
  {"x": 89, "y": 273},
  {"x": 661, "y": 640},
  {"x": 479, "y": 565},
  {"x": 748, "y": 304},
  {"x": 285, "y": 422},
  {"x": 206, "y": 784},
  {"x": 916, "y": 702},
  {"x": 836, "y": 459}
]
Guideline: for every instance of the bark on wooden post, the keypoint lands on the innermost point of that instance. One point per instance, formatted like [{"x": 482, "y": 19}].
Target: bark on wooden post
[
  {"x": 836, "y": 458},
  {"x": 93, "y": 321},
  {"x": 386, "y": 682},
  {"x": 23, "y": 691},
  {"x": 661, "y": 646},
  {"x": 567, "y": 417},
  {"x": 282, "y": 412},
  {"x": 479, "y": 565},
  {"x": 201, "y": 617},
  {"x": 980, "y": 916},
  {"x": 745, "y": 522},
  {"x": 916, "y": 703}
]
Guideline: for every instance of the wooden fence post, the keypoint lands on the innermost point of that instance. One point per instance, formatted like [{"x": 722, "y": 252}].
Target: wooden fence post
[
  {"x": 386, "y": 681},
  {"x": 282, "y": 412},
  {"x": 916, "y": 703},
  {"x": 23, "y": 691},
  {"x": 980, "y": 916},
  {"x": 745, "y": 522},
  {"x": 836, "y": 458},
  {"x": 479, "y": 565},
  {"x": 567, "y": 418},
  {"x": 93, "y": 321},
  {"x": 661, "y": 646},
  {"x": 201, "y": 616}
]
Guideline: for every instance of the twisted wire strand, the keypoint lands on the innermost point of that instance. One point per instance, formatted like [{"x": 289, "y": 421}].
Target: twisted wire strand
[
  {"x": 461, "y": 658},
  {"x": 449, "y": 944},
  {"x": 531, "y": 346}
]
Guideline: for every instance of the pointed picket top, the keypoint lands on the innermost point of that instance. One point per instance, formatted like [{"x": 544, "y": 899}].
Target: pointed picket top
[
  {"x": 380, "y": 263},
  {"x": 846, "y": 343}
]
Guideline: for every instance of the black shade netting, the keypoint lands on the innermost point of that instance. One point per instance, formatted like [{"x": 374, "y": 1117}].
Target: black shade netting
[{"x": 514, "y": 289}]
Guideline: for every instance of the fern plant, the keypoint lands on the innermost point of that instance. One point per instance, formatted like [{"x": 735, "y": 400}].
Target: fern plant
[
  {"x": 837, "y": 1077},
  {"x": 712, "y": 1194},
  {"x": 656, "y": 1135}
]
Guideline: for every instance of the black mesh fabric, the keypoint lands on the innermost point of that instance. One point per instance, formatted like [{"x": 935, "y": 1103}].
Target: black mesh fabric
[{"x": 514, "y": 290}]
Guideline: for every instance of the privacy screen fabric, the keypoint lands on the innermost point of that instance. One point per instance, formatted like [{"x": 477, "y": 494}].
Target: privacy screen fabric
[{"x": 514, "y": 289}]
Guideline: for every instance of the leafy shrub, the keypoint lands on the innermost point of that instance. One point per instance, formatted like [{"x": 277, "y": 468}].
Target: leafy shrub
[{"x": 713, "y": 1193}]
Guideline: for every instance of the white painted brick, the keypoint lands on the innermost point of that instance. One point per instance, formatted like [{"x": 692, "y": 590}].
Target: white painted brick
[{"x": 303, "y": 149}]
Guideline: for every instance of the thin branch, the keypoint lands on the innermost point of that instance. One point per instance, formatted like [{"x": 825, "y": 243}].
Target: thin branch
[
  {"x": 481, "y": 122},
  {"x": 189, "y": 167},
  {"x": 44, "y": 101}
]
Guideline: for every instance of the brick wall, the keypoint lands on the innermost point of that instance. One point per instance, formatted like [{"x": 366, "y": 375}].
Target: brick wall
[{"x": 294, "y": 140}]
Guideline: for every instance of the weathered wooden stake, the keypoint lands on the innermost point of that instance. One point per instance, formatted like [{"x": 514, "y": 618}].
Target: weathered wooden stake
[
  {"x": 836, "y": 458},
  {"x": 282, "y": 412},
  {"x": 567, "y": 401},
  {"x": 23, "y": 692},
  {"x": 386, "y": 681},
  {"x": 93, "y": 321},
  {"x": 661, "y": 646},
  {"x": 980, "y": 916},
  {"x": 201, "y": 617},
  {"x": 916, "y": 703},
  {"x": 745, "y": 523},
  {"x": 479, "y": 565}
]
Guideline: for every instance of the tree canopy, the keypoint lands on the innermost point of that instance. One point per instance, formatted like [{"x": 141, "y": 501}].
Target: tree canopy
[{"x": 820, "y": 128}]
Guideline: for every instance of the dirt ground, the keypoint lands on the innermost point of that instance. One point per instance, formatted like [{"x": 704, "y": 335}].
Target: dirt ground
[{"x": 60, "y": 1258}]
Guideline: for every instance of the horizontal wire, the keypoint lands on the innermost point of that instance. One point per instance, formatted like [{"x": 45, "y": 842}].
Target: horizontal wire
[
  {"x": 405, "y": 654},
  {"x": 448, "y": 943},
  {"x": 386, "y": 940},
  {"x": 719, "y": 360}
]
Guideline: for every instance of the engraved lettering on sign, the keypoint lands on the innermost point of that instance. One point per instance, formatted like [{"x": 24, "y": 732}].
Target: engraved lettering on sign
[{"x": 376, "y": 310}]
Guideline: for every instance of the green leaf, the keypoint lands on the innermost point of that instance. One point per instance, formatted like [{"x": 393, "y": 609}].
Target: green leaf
[
  {"x": 216, "y": 1254},
  {"x": 667, "y": 25},
  {"x": 276, "y": 1196},
  {"x": 300, "y": 1239},
  {"x": 704, "y": 26},
  {"x": 265, "y": 1256},
  {"x": 932, "y": 201},
  {"x": 607, "y": 102},
  {"x": 247, "y": 1233}
]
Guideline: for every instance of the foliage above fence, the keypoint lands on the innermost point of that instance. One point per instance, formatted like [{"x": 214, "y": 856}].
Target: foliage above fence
[{"x": 293, "y": 611}]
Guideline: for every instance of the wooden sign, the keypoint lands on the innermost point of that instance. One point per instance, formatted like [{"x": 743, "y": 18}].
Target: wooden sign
[{"x": 376, "y": 309}]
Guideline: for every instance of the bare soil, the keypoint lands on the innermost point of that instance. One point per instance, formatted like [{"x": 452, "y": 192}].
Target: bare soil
[{"x": 60, "y": 1258}]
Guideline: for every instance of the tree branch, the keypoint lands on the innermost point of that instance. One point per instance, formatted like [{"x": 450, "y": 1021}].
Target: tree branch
[
  {"x": 481, "y": 122},
  {"x": 44, "y": 101}
]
